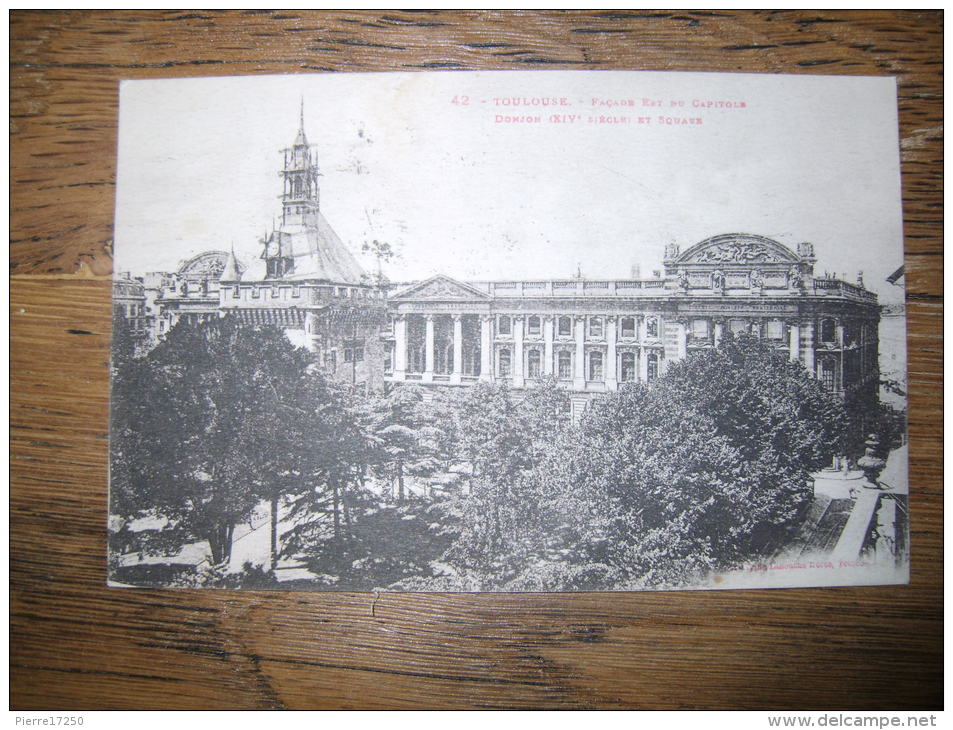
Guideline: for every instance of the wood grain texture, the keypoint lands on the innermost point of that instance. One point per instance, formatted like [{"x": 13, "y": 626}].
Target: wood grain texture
[{"x": 77, "y": 645}]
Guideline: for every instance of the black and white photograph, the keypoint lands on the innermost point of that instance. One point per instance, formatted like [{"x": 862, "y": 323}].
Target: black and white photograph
[{"x": 508, "y": 331}]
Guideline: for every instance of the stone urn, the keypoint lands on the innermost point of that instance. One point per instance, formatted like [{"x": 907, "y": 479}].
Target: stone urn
[{"x": 870, "y": 463}]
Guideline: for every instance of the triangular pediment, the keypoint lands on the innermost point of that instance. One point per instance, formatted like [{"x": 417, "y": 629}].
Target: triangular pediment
[
  {"x": 737, "y": 248},
  {"x": 439, "y": 288}
]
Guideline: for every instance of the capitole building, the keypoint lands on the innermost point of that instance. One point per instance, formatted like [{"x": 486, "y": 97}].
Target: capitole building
[
  {"x": 595, "y": 335},
  {"x": 591, "y": 335}
]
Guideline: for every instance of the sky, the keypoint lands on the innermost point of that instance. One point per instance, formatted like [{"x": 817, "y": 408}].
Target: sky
[{"x": 454, "y": 170}]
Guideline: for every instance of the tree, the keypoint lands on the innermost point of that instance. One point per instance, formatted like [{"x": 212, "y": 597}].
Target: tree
[
  {"x": 383, "y": 252},
  {"x": 333, "y": 456},
  {"x": 199, "y": 428},
  {"x": 761, "y": 400},
  {"x": 705, "y": 468},
  {"x": 504, "y": 435},
  {"x": 403, "y": 436}
]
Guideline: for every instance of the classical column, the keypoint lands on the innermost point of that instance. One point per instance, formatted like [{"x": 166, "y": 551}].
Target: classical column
[
  {"x": 517, "y": 364},
  {"x": 457, "y": 348},
  {"x": 794, "y": 341},
  {"x": 719, "y": 332},
  {"x": 400, "y": 347},
  {"x": 429, "y": 349},
  {"x": 548, "y": 325},
  {"x": 681, "y": 335},
  {"x": 579, "y": 379},
  {"x": 612, "y": 378},
  {"x": 486, "y": 347},
  {"x": 809, "y": 347}
]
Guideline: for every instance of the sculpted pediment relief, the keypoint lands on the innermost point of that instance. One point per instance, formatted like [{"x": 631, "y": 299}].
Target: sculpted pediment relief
[
  {"x": 737, "y": 248},
  {"x": 208, "y": 265},
  {"x": 441, "y": 288}
]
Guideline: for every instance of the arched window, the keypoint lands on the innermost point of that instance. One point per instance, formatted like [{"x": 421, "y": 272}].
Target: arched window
[
  {"x": 651, "y": 327},
  {"x": 828, "y": 330},
  {"x": 565, "y": 327},
  {"x": 595, "y": 327},
  {"x": 628, "y": 327},
  {"x": 564, "y": 364},
  {"x": 627, "y": 369},
  {"x": 504, "y": 325},
  {"x": 533, "y": 325},
  {"x": 503, "y": 358},
  {"x": 533, "y": 364},
  {"x": 595, "y": 365},
  {"x": 653, "y": 366}
]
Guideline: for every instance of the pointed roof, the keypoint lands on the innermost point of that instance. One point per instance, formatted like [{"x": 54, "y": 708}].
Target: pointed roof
[
  {"x": 233, "y": 270},
  {"x": 301, "y": 139},
  {"x": 319, "y": 253}
]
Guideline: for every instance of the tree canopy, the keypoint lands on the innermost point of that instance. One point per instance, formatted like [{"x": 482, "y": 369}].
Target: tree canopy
[{"x": 659, "y": 484}]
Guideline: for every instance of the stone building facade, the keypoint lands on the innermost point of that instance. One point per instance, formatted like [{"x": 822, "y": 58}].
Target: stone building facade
[
  {"x": 305, "y": 282},
  {"x": 594, "y": 335},
  {"x": 129, "y": 302},
  {"x": 591, "y": 335}
]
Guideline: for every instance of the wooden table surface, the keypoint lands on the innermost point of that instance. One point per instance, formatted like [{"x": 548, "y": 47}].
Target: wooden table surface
[{"x": 77, "y": 645}]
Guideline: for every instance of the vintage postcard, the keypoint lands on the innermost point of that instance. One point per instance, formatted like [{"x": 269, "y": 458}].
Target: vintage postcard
[{"x": 506, "y": 331}]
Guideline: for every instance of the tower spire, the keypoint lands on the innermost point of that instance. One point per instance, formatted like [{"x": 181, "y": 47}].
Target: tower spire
[
  {"x": 300, "y": 186},
  {"x": 233, "y": 270}
]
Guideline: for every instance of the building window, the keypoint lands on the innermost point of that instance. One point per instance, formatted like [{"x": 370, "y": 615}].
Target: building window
[
  {"x": 358, "y": 354},
  {"x": 504, "y": 362},
  {"x": 348, "y": 355},
  {"x": 828, "y": 331},
  {"x": 738, "y": 326},
  {"x": 628, "y": 327},
  {"x": 595, "y": 365},
  {"x": 564, "y": 364},
  {"x": 775, "y": 329},
  {"x": 533, "y": 363},
  {"x": 627, "y": 370},
  {"x": 651, "y": 327},
  {"x": 237, "y": 293},
  {"x": 827, "y": 374},
  {"x": 533, "y": 326},
  {"x": 652, "y": 366},
  {"x": 595, "y": 327},
  {"x": 295, "y": 292},
  {"x": 504, "y": 325},
  {"x": 274, "y": 292},
  {"x": 700, "y": 329},
  {"x": 565, "y": 327}
]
